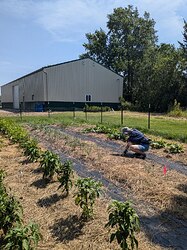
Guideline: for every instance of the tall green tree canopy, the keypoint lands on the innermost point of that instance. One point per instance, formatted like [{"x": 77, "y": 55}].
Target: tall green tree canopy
[
  {"x": 159, "y": 78},
  {"x": 123, "y": 46},
  {"x": 183, "y": 46}
]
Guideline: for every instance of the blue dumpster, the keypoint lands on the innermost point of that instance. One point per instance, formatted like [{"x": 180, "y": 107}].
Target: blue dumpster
[{"x": 39, "y": 107}]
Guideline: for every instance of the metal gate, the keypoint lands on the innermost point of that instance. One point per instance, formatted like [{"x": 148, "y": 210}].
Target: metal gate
[{"x": 16, "y": 97}]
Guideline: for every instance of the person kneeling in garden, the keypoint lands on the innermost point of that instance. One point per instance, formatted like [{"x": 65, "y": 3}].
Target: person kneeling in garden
[{"x": 136, "y": 142}]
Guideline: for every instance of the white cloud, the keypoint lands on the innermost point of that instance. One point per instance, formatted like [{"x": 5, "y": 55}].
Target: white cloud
[{"x": 69, "y": 20}]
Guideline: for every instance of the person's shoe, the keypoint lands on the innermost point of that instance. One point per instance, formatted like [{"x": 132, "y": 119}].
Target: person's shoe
[
  {"x": 140, "y": 156},
  {"x": 124, "y": 153}
]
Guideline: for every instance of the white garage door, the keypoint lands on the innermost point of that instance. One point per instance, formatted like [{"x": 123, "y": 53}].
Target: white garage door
[{"x": 16, "y": 97}]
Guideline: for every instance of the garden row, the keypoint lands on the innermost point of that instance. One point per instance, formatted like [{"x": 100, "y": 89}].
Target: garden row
[
  {"x": 122, "y": 217},
  {"x": 114, "y": 133}
]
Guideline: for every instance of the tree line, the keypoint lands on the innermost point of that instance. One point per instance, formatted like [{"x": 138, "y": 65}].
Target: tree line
[{"x": 154, "y": 74}]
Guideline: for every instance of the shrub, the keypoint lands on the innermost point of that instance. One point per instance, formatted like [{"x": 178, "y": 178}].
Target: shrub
[
  {"x": 88, "y": 108},
  {"x": 175, "y": 110}
]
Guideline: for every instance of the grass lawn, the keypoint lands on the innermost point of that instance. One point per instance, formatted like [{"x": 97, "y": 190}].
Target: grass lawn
[{"x": 167, "y": 127}]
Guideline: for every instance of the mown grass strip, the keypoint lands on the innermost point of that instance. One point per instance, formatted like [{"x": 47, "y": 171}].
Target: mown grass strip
[{"x": 160, "y": 125}]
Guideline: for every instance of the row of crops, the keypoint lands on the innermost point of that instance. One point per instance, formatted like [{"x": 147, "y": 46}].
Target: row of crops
[
  {"x": 114, "y": 133},
  {"x": 123, "y": 219}
]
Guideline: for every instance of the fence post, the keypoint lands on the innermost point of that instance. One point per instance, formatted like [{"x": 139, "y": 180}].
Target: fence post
[
  {"x": 20, "y": 110},
  {"x": 101, "y": 112},
  {"x": 73, "y": 110},
  {"x": 149, "y": 116},
  {"x": 121, "y": 115},
  {"x": 85, "y": 112}
]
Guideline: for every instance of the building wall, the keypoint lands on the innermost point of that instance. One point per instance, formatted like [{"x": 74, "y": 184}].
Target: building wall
[
  {"x": 67, "y": 82},
  {"x": 73, "y": 81}
]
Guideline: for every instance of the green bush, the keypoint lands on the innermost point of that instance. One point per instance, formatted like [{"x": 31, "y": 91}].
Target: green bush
[
  {"x": 88, "y": 108},
  {"x": 176, "y": 110}
]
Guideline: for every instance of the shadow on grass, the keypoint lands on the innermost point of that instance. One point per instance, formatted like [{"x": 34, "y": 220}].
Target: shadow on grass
[
  {"x": 49, "y": 201},
  {"x": 67, "y": 229}
]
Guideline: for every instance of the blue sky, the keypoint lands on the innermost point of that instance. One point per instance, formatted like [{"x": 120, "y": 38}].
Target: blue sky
[{"x": 37, "y": 33}]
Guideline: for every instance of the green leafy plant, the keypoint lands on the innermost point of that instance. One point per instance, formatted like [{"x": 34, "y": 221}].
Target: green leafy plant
[
  {"x": 22, "y": 238},
  {"x": 158, "y": 144},
  {"x": 174, "y": 148},
  {"x": 65, "y": 172},
  {"x": 125, "y": 220},
  {"x": 10, "y": 211},
  {"x": 112, "y": 133},
  {"x": 31, "y": 150},
  {"x": 116, "y": 136},
  {"x": 88, "y": 108},
  {"x": 88, "y": 191},
  {"x": 49, "y": 163},
  {"x": 176, "y": 109}
]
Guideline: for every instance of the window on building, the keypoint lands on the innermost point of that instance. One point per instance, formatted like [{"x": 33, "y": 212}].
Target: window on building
[
  {"x": 32, "y": 97},
  {"x": 88, "y": 98}
]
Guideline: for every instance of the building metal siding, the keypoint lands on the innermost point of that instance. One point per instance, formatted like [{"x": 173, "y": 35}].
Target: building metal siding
[
  {"x": 67, "y": 82},
  {"x": 72, "y": 81}
]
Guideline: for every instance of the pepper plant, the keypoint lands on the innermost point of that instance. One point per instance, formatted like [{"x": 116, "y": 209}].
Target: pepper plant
[
  {"x": 125, "y": 220},
  {"x": 10, "y": 211},
  {"x": 23, "y": 238},
  {"x": 49, "y": 163},
  {"x": 65, "y": 171},
  {"x": 88, "y": 191},
  {"x": 31, "y": 150}
]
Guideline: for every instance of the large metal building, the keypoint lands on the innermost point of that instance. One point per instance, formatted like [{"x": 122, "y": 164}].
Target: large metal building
[{"x": 63, "y": 86}]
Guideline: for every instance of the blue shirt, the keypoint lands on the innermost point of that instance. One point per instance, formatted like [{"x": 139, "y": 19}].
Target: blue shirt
[{"x": 135, "y": 136}]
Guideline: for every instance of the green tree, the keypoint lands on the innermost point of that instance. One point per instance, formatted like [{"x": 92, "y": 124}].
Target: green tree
[
  {"x": 183, "y": 46},
  {"x": 123, "y": 47},
  {"x": 159, "y": 78}
]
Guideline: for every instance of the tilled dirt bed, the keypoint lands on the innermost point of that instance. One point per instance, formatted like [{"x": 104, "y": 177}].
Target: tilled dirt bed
[{"x": 159, "y": 199}]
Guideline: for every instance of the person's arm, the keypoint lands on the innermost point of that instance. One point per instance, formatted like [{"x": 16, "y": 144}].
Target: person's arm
[{"x": 127, "y": 147}]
